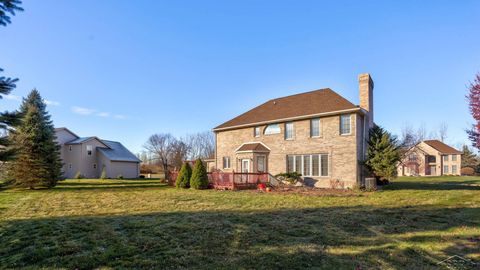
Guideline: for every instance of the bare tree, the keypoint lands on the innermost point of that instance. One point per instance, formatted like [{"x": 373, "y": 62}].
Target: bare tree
[
  {"x": 161, "y": 147},
  {"x": 179, "y": 153},
  {"x": 201, "y": 145},
  {"x": 408, "y": 137},
  {"x": 442, "y": 131},
  {"x": 421, "y": 132}
]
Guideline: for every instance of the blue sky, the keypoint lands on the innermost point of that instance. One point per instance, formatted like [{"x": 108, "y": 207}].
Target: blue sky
[{"x": 123, "y": 70}]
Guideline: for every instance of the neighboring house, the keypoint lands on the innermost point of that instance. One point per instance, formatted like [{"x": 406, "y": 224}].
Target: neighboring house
[
  {"x": 430, "y": 158},
  {"x": 89, "y": 155},
  {"x": 319, "y": 134}
]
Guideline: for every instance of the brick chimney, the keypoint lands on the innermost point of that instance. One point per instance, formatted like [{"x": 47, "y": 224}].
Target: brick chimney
[{"x": 365, "y": 84}]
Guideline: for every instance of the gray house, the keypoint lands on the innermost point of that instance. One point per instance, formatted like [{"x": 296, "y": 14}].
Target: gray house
[{"x": 89, "y": 155}]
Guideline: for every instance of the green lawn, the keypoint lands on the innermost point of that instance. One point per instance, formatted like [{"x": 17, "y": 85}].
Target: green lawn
[{"x": 114, "y": 224}]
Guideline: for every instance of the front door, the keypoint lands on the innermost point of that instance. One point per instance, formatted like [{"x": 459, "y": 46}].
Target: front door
[{"x": 245, "y": 165}]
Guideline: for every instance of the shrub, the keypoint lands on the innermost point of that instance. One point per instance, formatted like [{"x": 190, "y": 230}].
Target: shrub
[
  {"x": 78, "y": 175},
  {"x": 104, "y": 173},
  {"x": 291, "y": 177},
  {"x": 183, "y": 178},
  {"x": 120, "y": 176},
  {"x": 199, "y": 179},
  {"x": 467, "y": 171},
  {"x": 142, "y": 176}
]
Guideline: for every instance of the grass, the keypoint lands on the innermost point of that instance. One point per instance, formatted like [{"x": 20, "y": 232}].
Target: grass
[{"x": 113, "y": 224}]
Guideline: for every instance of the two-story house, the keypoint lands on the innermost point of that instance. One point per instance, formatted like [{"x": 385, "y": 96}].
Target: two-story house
[
  {"x": 89, "y": 156},
  {"x": 430, "y": 158},
  {"x": 318, "y": 134}
]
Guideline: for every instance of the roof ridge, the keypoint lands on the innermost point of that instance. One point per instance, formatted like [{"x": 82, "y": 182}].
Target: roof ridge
[{"x": 303, "y": 93}]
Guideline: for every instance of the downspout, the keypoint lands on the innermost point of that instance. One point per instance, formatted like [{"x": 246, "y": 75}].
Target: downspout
[{"x": 364, "y": 142}]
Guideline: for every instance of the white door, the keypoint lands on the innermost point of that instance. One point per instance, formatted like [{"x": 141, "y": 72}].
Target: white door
[{"x": 245, "y": 165}]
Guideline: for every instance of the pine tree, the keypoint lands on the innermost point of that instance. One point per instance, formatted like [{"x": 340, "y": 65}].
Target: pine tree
[
  {"x": 199, "y": 179},
  {"x": 183, "y": 178},
  {"x": 38, "y": 160},
  {"x": 6, "y": 86},
  {"x": 382, "y": 154},
  {"x": 469, "y": 159}
]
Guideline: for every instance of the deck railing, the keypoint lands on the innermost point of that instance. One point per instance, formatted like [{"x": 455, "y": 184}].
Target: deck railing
[{"x": 229, "y": 180}]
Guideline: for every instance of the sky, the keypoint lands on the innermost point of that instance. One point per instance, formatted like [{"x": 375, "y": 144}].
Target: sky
[{"x": 124, "y": 70}]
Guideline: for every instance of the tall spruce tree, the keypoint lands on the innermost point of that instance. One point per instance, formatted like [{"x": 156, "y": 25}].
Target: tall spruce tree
[
  {"x": 382, "y": 154},
  {"x": 469, "y": 159},
  {"x": 7, "y": 8},
  {"x": 37, "y": 160},
  {"x": 184, "y": 175}
]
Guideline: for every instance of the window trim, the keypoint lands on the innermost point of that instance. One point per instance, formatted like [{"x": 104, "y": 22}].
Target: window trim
[
  {"x": 350, "y": 125},
  {"x": 302, "y": 161},
  {"x": 319, "y": 128},
  {"x": 255, "y": 129},
  {"x": 454, "y": 157},
  {"x": 445, "y": 158},
  {"x": 264, "y": 163},
  {"x": 266, "y": 128},
  {"x": 228, "y": 163},
  {"x": 456, "y": 169},
  {"x": 89, "y": 152},
  {"x": 445, "y": 169},
  {"x": 285, "y": 131}
]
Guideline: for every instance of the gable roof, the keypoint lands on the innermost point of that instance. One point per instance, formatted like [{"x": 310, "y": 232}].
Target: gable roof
[
  {"x": 441, "y": 147},
  {"x": 117, "y": 152},
  {"x": 253, "y": 147},
  {"x": 67, "y": 130},
  {"x": 300, "y": 105},
  {"x": 86, "y": 139}
]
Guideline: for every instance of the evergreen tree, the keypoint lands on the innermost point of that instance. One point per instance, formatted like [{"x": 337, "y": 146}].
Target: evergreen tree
[
  {"x": 199, "y": 179},
  {"x": 38, "y": 160},
  {"x": 469, "y": 159},
  {"x": 382, "y": 154},
  {"x": 7, "y": 8},
  {"x": 183, "y": 178}
]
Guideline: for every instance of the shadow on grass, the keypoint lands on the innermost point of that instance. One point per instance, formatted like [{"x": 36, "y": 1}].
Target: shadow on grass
[
  {"x": 72, "y": 186},
  {"x": 426, "y": 184},
  {"x": 328, "y": 238}
]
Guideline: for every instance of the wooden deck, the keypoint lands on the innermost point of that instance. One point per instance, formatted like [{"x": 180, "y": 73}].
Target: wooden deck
[{"x": 229, "y": 180}]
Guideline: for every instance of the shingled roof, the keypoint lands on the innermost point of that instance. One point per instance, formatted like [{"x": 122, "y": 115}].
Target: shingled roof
[
  {"x": 304, "y": 104},
  {"x": 253, "y": 147},
  {"x": 442, "y": 148}
]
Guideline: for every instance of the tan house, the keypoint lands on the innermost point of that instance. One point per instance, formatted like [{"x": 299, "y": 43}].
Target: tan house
[
  {"x": 90, "y": 155},
  {"x": 431, "y": 158},
  {"x": 319, "y": 134}
]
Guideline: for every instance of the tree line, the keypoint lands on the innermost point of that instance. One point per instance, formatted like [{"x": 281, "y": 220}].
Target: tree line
[{"x": 170, "y": 152}]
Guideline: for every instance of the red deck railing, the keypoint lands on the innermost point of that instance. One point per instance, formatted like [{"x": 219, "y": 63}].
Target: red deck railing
[{"x": 229, "y": 180}]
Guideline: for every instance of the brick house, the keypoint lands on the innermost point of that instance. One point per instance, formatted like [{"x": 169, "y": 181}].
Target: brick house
[
  {"x": 319, "y": 134},
  {"x": 430, "y": 158}
]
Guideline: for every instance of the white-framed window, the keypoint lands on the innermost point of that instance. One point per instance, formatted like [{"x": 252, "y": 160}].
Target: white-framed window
[
  {"x": 261, "y": 164},
  {"x": 289, "y": 131},
  {"x": 256, "y": 131},
  {"x": 272, "y": 129},
  {"x": 345, "y": 124},
  {"x": 309, "y": 165},
  {"x": 226, "y": 162},
  {"x": 412, "y": 157},
  {"x": 454, "y": 169},
  {"x": 315, "y": 127},
  {"x": 89, "y": 150},
  {"x": 70, "y": 148},
  {"x": 445, "y": 169},
  {"x": 445, "y": 158},
  {"x": 94, "y": 165},
  {"x": 454, "y": 158}
]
